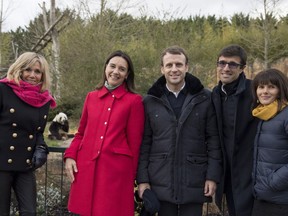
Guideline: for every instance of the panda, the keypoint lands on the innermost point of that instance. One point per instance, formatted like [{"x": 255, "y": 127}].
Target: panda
[{"x": 59, "y": 127}]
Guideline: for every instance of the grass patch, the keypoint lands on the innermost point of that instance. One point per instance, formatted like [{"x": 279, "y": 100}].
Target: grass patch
[
  {"x": 73, "y": 125},
  {"x": 53, "y": 143}
]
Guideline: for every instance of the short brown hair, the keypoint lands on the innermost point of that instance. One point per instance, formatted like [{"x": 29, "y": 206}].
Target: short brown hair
[
  {"x": 234, "y": 50},
  {"x": 175, "y": 50}
]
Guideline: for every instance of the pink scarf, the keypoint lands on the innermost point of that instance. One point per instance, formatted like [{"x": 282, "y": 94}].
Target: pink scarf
[{"x": 30, "y": 94}]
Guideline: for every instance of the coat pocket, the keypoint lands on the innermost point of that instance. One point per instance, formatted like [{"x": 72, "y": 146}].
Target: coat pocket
[
  {"x": 158, "y": 169},
  {"x": 123, "y": 151},
  {"x": 196, "y": 168}
]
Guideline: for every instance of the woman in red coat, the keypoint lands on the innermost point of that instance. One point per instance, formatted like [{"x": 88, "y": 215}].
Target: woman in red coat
[{"x": 102, "y": 159}]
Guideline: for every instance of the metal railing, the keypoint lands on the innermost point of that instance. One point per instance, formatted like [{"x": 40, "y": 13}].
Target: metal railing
[
  {"x": 56, "y": 187},
  {"x": 55, "y": 175},
  {"x": 52, "y": 187}
]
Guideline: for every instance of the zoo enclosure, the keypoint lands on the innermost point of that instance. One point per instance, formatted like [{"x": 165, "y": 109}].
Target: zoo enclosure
[{"x": 53, "y": 188}]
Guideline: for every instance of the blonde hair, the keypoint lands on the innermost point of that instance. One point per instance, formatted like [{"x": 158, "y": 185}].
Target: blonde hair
[{"x": 28, "y": 60}]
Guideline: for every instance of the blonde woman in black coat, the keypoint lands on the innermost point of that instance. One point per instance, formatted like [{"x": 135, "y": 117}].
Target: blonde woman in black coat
[{"x": 24, "y": 106}]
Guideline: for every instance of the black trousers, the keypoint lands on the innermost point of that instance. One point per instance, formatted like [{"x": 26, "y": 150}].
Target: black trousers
[
  {"x": 170, "y": 209},
  {"x": 24, "y": 186},
  {"x": 263, "y": 208}
]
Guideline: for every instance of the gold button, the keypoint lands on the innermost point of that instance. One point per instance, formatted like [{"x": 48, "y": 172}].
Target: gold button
[
  {"x": 45, "y": 116},
  {"x": 14, "y": 135},
  {"x": 39, "y": 128},
  {"x": 28, "y": 161},
  {"x": 12, "y": 110},
  {"x": 30, "y": 136},
  {"x": 14, "y": 124},
  {"x": 12, "y": 148},
  {"x": 10, "y": 161},
  {"x": 29, "y": 148}
]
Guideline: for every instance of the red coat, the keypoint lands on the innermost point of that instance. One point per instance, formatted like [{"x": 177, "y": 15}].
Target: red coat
[{"x": 106, "y": 149}]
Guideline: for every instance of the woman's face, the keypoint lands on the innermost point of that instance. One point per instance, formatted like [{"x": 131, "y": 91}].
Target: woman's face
[
  {"x": 32, "y": 75},
  {"x": 267, "y": 94},
  {"x": 116, "y": 71}
]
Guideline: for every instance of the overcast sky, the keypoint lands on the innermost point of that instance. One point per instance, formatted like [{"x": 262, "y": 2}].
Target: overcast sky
[{"x": 20, "y": 12}]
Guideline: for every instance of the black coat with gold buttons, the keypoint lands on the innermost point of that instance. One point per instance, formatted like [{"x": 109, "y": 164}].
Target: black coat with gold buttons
[{"x": 21, "y": 129}]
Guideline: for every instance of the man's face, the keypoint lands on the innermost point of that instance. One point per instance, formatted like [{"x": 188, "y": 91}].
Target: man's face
[
  {"x": 228, "y": 68},
  {"x": 174, "y": 69}
]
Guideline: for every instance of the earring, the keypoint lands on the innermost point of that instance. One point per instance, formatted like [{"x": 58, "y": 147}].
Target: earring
[{"x": 257, "y": 101}]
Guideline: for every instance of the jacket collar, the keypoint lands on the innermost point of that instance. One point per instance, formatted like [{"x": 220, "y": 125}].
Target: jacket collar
[
  {"x": 192, "y": 84},
  {"x": 118, "y": 92}
]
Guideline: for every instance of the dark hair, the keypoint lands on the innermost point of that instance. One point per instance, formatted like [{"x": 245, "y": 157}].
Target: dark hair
[
  {"x": 130, "y": 79},
  {"x": 175, "y": 50},
  {"x": 234, "y": 50},
  {"x": 274, "y": 77}
]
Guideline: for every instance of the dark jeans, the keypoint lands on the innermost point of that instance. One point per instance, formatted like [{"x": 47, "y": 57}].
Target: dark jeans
[
  {"x": 170, "y": 209},
  {"x": 24, "y": 186}
]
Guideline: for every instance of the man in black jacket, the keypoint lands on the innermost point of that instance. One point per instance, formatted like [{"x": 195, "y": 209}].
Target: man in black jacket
[
  {"x": 180, "y": 157},
  {"x": 232, "y": 98}
]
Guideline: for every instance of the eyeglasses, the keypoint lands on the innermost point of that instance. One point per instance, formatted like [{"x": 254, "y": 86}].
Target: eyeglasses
[{"x": 231, "y": 65}]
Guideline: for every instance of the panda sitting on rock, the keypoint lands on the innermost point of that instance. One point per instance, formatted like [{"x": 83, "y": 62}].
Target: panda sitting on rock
[{"x": 58, "y": 129}]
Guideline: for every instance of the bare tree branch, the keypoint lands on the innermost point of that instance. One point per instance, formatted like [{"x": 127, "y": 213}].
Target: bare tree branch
[{"x": 47, "y": 32}]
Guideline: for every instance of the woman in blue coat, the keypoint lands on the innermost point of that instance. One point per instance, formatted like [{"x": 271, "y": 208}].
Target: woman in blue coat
[
  {"x": 24, "y": 106},
  {"x": 270, "y": 169}
]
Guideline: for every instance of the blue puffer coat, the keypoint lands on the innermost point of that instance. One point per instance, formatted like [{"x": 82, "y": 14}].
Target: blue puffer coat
[{"x": 270, "y": 171}]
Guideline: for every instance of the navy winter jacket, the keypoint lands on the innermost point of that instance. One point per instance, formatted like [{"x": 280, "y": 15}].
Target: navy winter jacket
[{"x": 270, "y": 170}]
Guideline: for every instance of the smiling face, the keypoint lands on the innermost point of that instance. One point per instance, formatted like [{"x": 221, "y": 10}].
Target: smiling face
[
  {"x": 267, "y": 94},
  {"x": 116, "y": 71},
  {"x": 227, "y": 74},
  {"x": 32, "y": 75},
  {"x": 174, "y": 69}
]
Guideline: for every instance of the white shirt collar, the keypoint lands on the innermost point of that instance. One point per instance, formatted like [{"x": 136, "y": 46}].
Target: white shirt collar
[{"x": 175, "y": 93}]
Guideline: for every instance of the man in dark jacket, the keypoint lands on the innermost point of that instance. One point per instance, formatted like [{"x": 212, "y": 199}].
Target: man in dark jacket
[
  {"x": 180, "y": 157},
  {"x": 232, "y": 98}
]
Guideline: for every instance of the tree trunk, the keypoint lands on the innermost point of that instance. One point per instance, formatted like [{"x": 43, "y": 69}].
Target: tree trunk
[
  {"x": 266, "y": 36},
  {"x": 50, "y": 28},
  {"x": 55, "y": 52}
]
